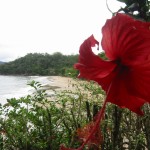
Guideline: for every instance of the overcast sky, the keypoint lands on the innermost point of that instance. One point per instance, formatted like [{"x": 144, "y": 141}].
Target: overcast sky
[{"x": 48, "y": 26}]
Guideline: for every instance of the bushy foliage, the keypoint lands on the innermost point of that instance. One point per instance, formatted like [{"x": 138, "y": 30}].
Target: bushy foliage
[
  {"x": 137, "y": 8},
  {"x": 38, "y": 122}
]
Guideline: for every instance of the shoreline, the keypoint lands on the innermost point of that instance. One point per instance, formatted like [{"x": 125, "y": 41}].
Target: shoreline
[
  {"x": 58, "y": 83},
  {"x": 48, "y": 83}
]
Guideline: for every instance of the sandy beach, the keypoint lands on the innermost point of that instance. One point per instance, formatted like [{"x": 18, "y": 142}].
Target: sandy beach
[
  {"x": 58, "y": 83},
  {"x": 61, "y": 83}
]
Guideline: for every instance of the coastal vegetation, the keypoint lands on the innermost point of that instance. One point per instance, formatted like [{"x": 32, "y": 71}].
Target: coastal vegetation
[
  {"x": 38, "y": 122},
  {"x": 41, "y": 64}
]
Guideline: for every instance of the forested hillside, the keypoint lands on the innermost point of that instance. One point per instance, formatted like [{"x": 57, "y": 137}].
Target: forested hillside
[
  {"x": 40, "y": 64},
  {"x": 1, "y": 62}
]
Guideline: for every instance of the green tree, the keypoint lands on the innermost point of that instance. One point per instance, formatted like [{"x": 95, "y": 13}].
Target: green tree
[
  {"x": 137, "y": 8},
  {"x": 39, "y": 64}
]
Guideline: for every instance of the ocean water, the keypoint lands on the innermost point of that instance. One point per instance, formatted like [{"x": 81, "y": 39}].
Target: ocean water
[{"x": 16, "y": 86}]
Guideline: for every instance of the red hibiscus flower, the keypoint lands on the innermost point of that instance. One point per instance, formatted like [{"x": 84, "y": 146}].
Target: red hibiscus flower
[{"x": 125, "y": 76}]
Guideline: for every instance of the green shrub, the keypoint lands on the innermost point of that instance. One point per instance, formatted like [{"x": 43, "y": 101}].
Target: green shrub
[{"x": 38, "y": 122}]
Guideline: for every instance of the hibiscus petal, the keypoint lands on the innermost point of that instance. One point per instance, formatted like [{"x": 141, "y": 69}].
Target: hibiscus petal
[
  {"x": 126, "y": 38},
  {"x": 90, "y": 65},
  {"x": 106, "y": 81},
  {"x": 119, "y": 94},
  {"x": 126, "y": 41},
  {"x": 139, "y": 81}
]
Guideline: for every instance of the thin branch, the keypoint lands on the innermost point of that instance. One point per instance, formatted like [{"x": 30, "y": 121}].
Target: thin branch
[{"x": 108, "y": 7}]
